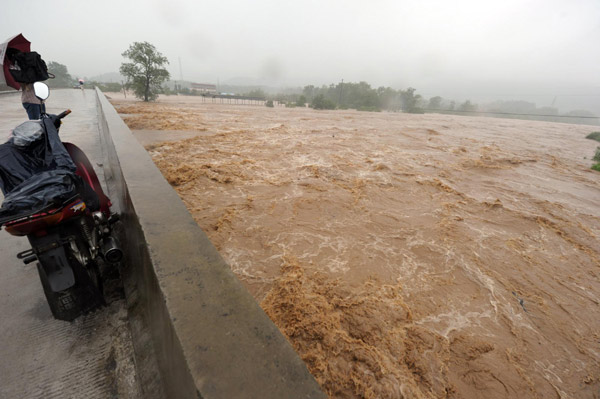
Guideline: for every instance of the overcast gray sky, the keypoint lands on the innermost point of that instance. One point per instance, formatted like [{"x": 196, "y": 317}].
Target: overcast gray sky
[{"x": 464, "y": 49}]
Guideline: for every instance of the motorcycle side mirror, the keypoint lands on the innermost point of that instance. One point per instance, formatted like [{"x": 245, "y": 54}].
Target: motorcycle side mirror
[{"x": 41, "y": 90}]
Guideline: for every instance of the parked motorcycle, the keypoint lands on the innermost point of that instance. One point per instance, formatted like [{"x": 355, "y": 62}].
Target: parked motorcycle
[{"x": 53, "y": 196}]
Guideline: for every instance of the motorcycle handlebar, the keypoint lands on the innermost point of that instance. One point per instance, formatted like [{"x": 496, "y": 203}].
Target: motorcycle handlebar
[
  {"x": 63, "y": 114},
  {"x": 56, "y": 119}
]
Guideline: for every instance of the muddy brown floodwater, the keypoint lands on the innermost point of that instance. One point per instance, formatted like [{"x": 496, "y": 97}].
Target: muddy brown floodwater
[{"x": 404, "y": 256}]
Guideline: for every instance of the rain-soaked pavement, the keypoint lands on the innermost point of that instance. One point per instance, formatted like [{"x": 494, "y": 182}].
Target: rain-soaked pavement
[{"x": 41, "y": 357}]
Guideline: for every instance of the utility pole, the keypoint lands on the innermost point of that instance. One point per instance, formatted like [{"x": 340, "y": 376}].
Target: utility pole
[
  {"x": 180, "y": 74},
  {"x": 341, "y": 91},
  {"x": 180, "y": 70}
]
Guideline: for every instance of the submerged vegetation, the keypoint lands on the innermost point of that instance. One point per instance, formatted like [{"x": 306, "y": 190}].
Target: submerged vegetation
[
  {"x": 593, "y": 136},
  {"x": 597, "y": 155}
]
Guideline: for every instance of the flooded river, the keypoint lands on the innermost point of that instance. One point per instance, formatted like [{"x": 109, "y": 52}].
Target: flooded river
[{"x": 415, "y": 256}]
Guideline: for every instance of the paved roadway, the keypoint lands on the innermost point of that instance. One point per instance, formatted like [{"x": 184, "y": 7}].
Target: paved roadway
[{"x": 40, "y": 357}]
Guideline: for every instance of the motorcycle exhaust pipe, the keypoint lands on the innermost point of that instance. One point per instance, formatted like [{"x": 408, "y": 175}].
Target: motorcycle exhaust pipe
[{"x": 111, "y": 251}]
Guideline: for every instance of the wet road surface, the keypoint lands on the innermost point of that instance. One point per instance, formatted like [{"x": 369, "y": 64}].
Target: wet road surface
[{"x": 41, "y": 357}]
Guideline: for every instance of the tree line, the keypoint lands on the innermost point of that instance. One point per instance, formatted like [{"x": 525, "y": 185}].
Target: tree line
[
  {"x": 146, "y": 76},
  {"x": 361, "y": 96}
]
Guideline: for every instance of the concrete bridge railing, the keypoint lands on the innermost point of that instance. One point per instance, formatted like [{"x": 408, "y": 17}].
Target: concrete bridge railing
[{"x": 189, "y": 313}]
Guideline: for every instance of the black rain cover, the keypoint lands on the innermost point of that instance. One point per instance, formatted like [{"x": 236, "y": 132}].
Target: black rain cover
[
  {"x": 43, "y": 189},
  {"x": 36, "y": 176}
]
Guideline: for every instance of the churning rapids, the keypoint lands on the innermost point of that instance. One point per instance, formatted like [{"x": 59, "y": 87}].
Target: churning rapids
[{"x": 404, "y": 256}]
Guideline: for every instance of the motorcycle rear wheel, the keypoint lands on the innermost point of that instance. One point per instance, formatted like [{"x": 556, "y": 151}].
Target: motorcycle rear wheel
[{"x": 81, "y": 298}]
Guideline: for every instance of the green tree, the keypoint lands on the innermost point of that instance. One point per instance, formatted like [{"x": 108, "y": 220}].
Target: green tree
[
  {"x": 146, "y": 73},
  {"x": 359, "y": 96},
  {"x": 410, "y": 101},
  {"x": 320, "y": 102},
  {"x": 467, "y": 106},
  {"x": 388, "y": 98},
  {"x": 435, "y": 102},
  {"x": 301, "y": 101},
  {"x": 309, "y": 92},
  {"x": 62, "y": 78}
]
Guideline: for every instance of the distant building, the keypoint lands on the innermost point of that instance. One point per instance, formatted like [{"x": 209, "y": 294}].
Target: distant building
[{"x": 204, "y": 88}]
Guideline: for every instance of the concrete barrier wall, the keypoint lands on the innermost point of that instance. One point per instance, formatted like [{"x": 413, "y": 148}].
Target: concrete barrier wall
[{"x": 208, "y": 336}]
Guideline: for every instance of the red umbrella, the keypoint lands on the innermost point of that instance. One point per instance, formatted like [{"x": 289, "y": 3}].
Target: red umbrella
[{"x": 18, "y": 43}]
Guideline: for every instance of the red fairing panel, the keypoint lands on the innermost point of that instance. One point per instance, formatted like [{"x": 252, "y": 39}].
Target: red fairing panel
[{"x": 87, "y": 173}]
